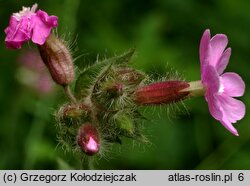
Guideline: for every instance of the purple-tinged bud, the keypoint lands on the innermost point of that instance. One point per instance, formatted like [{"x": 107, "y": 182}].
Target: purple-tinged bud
[
  {"x": 58, "y": 59},
  {"x": 161, "y": 93},
  {"x": 88, "y": 139}
]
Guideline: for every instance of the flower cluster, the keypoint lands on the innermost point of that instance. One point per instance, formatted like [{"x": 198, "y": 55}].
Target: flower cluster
[{"x": 105, "y": 105}]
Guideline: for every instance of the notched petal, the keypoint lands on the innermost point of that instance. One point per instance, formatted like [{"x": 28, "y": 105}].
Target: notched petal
[
  {"x": 204, "y": 45},
  {"x": 233, "y": 109},
  {"x": 229, "y": 127},
  {"x": 233, "y": 84},
  {"x": 223, "y": 61},
  {"x": 210, "y": 79},
  {"x": 213, "y": 105},
  {"x": 218, "y": 45}
]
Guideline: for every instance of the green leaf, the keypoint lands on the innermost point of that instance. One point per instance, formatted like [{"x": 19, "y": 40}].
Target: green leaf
[
  {"x": 89, "y": 77},
  {"x": 122, "y": 59}
]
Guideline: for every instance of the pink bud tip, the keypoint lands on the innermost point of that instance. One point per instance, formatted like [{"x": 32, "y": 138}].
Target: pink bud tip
[{"x": 88, "y": 139}]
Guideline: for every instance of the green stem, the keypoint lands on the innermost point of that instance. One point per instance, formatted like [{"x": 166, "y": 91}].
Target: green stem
[
  {"x": 69, "y": 94},
  {"x": 87, "y": 163}
]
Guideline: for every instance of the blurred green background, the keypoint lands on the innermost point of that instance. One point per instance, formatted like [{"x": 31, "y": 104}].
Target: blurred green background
[{"x": 166, "y": 34}]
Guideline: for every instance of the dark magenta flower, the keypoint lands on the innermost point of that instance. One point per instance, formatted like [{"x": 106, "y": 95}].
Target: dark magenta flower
[
  {"x": 28, "y": 24},
  {"x": 220, "y": 88}
]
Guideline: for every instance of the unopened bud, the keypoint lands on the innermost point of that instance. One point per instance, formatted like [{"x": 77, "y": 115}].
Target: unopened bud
[
  {"x": 58, "y": 59},
  {"x": 161, "y": 93},
  {"x": 114, "y": 88},
  {"x": 75, "y": 110},
  {"x": 125, "y": 123},
  {"x": 130, "y": 76},
  {"x": 88, "y": 139}
]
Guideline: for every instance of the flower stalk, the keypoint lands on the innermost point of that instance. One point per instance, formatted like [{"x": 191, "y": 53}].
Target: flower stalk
[
  {"x": 69, "y": 94},
  {"x": 195, "y": 89}
]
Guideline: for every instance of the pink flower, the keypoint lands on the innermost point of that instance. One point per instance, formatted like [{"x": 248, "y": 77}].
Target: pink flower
[
  {"x": 220, "y": 87},
  {"x": 28, "y": 24}
]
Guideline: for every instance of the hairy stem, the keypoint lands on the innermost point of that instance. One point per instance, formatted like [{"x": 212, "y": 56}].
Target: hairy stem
[
  {"x": 87, "y": 163},
  {"x": 69, "y": 94}
]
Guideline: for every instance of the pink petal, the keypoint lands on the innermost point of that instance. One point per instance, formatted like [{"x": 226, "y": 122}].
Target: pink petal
[
  {"x": 204, "y": 46},
  {"x": 210, "y": 79},
  {"x": 17, "y": 33},
  {"x": 233, "y": 109},
  {"x": 213, "y": 105},
  {"x": 233, "y": 84},
  {"x": 27, "y": 25},
  {"x": 42, "y": 25},
  {"x": 218, "y": 45},
  {"x": 92, "y": 144},
  {"x": 223, "y": 61},
  {"x": 48, "y": 20},
  {"x": 40, "y": 31},
  {"x": 230, "y": 127}
]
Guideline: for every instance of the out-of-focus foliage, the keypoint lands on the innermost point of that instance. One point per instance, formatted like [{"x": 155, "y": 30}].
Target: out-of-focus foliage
[{"x": 166, "y": 34}]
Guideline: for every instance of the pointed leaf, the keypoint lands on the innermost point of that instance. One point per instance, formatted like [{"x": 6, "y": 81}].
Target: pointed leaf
[{"x": 89, "y": 77}]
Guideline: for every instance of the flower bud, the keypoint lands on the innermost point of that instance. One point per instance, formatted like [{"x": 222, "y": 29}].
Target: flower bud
[
  {"x": 114, "y": 88},
  {"x": 161, "y": 93},
  {"x": 88, "y": 139},
  {"x": 75, "y": 110},
  {"x": 130, "y": 76},
  {"x": 125, "y": 124},
  {"x": 57, "y": 58}
]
